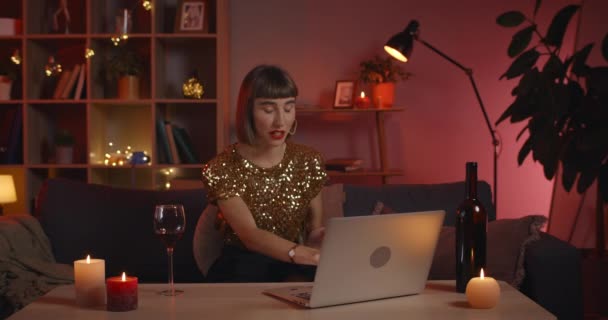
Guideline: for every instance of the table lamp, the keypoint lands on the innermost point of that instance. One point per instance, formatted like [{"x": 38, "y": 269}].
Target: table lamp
[
  {"x": 7, "y": 190},
  {"x": 400, "y": 47}
]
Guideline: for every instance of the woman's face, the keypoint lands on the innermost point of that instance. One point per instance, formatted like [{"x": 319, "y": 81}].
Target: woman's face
[{"x": 273, "y": 118}]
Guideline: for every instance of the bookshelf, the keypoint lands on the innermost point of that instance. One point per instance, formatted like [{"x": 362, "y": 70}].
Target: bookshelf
[
  {"x": 384, "y": 172},
  {"x": 98, "y": 116}
]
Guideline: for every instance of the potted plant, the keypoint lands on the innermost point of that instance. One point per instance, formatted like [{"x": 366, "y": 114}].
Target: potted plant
[
  {"x": 8, "y": 74},
  {"x": 64, "y": 147},
  {"x": 563, "y": 100},
  {"x": 382, "y": 74},
  {"x": 125, "y": 65}
]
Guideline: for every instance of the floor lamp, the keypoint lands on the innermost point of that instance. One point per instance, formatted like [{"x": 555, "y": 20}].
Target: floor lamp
[{"x": 400, "y": 47}]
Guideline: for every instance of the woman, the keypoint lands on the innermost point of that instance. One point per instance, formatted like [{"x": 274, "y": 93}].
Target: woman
[{"x": 267, "y": 188}]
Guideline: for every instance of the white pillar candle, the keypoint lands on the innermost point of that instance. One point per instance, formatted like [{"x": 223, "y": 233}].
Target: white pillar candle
[
  {"x": 89, "y": 276},
  {"x": 483, "y": 292}
]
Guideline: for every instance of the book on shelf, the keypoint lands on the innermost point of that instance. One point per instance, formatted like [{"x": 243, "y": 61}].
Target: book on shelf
[
  {"x": 69, "y": 87},
  {"x": 62, "y": 83},
  {"x": 184, "y": 145},
  {"x": 162, "y": 143},
  {"x": 172, "y": 144},
  {"x": 80, "y": 83},
  {"x": 343, "y": 164}
]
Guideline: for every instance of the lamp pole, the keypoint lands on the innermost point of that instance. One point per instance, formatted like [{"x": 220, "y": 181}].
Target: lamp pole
[{"x": 495, "y": 141}]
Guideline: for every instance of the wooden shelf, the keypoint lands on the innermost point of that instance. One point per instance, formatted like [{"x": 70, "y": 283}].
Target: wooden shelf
[
  {"x": 365, "y": 172},
  {"x": 186, "y": 35},
  {"x": 99, "y": 117},
  {"x": 189, "y": 101},
  {"x": 58, "y": 166},
  {"x": 55, "y": 36},
  {"x": 334, "y": 110},
  {"x": 379, "y": 113}
]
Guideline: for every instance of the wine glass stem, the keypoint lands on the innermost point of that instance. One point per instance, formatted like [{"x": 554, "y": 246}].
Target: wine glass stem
[{"x": 170, "y": 255}]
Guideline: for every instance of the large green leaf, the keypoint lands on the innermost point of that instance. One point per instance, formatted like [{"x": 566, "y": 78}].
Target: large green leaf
[
  {"x": 554, "y": 68},
  {"x": 511, "y": 19},
  {"x": 579, "y": 60},
  {"x": 605, "y": 47},
  {"x": 559, "y": 24},
  {"x": 545, "y": 145},
  {"x": 524, "y": 151},
  {"x": 528, "y": 82},
  {"x": 521, "y": 64},
  {"x": 603, "y": 181},
  {"x": 520, "y": 41}
]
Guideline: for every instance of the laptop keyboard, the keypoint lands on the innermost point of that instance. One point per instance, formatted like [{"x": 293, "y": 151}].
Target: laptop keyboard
[
  {"x": 301, "y": 292},
  {"x": 303, "y": 295}
]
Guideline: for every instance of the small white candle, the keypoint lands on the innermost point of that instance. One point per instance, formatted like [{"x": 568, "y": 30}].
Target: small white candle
[
  {"x": 89, "y": 276},
  {"x": 483, "y": 292}
]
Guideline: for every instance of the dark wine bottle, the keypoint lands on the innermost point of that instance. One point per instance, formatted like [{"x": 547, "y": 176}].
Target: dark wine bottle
[{"x": 471, "y": 224}]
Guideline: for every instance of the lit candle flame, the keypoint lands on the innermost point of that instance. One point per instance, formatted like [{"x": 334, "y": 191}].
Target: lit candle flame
[
  {"x": 362, "y": 94},
  {"x": 124, "y": 277},
  {"x": 481, "y": 274},
  {"x": 88, "y": 259}
]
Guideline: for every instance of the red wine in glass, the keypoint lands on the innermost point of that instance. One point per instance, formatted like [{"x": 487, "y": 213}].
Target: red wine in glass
[{"x": 169, "y": 226}]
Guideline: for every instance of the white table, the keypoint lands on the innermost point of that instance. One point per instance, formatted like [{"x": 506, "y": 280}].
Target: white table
[{"x": 246, "y": 301}]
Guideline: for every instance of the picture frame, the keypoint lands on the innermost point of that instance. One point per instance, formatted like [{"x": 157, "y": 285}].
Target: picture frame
[
  {"x": 192, "y": 16},
  {"x": 344, "y": 94}
]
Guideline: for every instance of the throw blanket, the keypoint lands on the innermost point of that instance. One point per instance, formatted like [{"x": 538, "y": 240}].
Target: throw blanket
[{"x": 27, "y": 266}]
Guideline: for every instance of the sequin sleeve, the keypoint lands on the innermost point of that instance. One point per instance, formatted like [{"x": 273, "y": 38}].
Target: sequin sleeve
[
  {"x": 219, "y": 183},
  {"x": 317, "y": 175}
]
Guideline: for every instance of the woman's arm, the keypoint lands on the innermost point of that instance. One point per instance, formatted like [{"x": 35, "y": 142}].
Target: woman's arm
[
  {"x": 316, "y": 231},
  {"x": 240, "y": 219}
]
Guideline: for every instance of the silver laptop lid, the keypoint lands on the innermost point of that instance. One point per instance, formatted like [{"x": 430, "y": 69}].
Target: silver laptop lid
[{"x": 373, "y": 257}]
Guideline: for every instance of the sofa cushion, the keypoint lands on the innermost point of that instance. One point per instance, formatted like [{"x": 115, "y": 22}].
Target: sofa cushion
[
  {"x": 507, "y": 242},
  {"x": 361, "y": 200},
  {"x": 116, "y": 224}
]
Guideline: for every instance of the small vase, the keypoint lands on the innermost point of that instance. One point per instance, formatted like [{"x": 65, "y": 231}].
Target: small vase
[
  {"x": 64, "y": 154},
  {"x": 5, "y": 88},
  {"x": 383, "y": 94},
  {"x": 128, "y": 87}
]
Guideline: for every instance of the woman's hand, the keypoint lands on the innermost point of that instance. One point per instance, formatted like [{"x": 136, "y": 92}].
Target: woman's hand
[
  {"x": 306, "y": 255},
  {"x": 315, "y": 237}
]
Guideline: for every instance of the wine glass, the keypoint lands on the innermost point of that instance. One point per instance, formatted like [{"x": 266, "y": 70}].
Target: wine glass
[{"x": 169, "y": 226}]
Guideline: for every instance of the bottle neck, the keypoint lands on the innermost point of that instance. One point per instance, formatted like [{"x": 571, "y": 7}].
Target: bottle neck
[{"x": 471, "y": 180}]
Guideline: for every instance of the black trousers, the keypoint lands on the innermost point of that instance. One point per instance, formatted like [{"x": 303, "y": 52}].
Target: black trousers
[{"x": 236, "y": 264}]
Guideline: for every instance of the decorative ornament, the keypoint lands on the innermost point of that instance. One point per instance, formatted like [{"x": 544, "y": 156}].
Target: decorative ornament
[
  {"x": 115, "y": 41},
  {"x": 147, "y": 5},
  {"x": 119, "y": 157},
  {"x": 52, "y": 68},
  {"x": 88, "y": 52},
  {"x": 192, "y": 88},
  {"x": 16, "y": 57}
]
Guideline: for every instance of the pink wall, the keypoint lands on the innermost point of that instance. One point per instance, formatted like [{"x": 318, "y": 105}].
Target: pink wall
[{"x": 320, "y": 42}]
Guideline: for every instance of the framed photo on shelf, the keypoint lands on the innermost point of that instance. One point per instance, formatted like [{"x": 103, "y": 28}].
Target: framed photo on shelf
[
  {"x": 343, "y": 97},
  {"x": 192, "y": 16}
]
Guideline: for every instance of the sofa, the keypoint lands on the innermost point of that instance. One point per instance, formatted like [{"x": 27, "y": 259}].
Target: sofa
[{"x": 115, "y": 224}]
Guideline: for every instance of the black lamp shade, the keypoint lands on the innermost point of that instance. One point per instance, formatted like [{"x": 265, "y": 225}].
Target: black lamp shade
[{"x": 400, "y": 46}]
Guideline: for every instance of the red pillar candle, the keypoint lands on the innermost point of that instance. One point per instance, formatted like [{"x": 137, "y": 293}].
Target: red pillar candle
[
  {"x": 362, "y": 101},
  {"x": 122, "y": 293}
]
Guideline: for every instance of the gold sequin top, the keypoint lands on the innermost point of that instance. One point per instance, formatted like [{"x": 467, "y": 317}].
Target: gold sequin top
[{"x": 278, "y": 197}]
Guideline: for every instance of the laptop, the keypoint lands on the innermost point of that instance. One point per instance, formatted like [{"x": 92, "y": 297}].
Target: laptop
[{"x": 370, "y": 257}]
